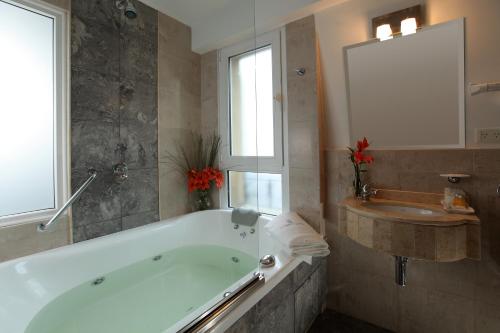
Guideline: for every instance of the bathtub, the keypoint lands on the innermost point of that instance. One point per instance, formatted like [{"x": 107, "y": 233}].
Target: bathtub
[{"x": 156, "y": 278}]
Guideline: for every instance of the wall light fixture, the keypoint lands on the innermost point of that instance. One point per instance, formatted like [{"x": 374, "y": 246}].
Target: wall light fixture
[
  {"x": 401, "y": 22},
  {"x": 408, "y": 26},
  {"x": 384, "y": 32}
]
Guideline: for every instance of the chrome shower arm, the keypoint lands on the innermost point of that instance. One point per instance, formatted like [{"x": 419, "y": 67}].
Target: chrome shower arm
[{"x": 92, "y": 175}]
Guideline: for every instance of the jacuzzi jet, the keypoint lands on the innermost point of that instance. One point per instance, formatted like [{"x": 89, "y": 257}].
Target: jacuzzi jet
[
  {"x": 158, "y": 257},
  {"x": 235, "y": 259},
  {"x": 227, "y": 294},
  {"x": 98, "y": 281}
]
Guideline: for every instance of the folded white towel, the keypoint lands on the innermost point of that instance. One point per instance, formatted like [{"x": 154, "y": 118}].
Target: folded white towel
[{"x": 297, "y": 236}]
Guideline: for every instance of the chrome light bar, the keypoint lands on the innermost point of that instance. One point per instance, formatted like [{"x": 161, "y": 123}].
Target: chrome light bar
[{"x": 92, "y": 175}]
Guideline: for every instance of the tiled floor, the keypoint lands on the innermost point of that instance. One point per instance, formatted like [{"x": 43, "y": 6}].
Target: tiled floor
[{"x": 333, "y": 322}]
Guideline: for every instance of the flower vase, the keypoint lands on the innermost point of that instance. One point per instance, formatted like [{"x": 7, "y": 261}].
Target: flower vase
[
  {"x": 203, "y": 201},
  {"x": 357, "y": 181}
]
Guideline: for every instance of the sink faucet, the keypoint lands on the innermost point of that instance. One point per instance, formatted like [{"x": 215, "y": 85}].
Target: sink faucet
[{"x": 367, "y": 192}]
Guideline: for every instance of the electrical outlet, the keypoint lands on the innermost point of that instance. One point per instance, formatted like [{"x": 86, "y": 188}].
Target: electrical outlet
[{"x": 488, "y": 135}]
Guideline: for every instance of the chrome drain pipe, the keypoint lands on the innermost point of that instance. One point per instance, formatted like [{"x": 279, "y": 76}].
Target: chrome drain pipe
[{"x": 400, "y": 265}]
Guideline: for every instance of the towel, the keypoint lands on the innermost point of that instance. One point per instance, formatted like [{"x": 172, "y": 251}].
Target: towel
[{"x": 297, "y": 236}]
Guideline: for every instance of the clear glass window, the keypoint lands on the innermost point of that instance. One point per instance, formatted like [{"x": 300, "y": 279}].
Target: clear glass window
[
  {"x": 27, "y": 111},
  {"x": 258, "y": 191},
  {"x": 251, "y": 103}
]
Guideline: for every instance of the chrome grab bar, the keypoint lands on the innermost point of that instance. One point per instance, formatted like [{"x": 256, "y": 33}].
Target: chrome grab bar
[
  {"x": 213, "y": 316},
  {"x": 92, "y": 175}
]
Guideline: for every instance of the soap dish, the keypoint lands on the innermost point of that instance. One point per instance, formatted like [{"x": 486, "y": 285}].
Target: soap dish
[
  {"x": 454, "y": 177},
  {"x": 456, "y": 210}
]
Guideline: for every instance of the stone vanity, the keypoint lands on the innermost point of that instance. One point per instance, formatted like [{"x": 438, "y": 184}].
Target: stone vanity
[{"x": 410, "y": 224}]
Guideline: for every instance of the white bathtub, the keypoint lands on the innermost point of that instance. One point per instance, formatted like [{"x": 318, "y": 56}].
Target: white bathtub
[{"x": 30, "y": 286}]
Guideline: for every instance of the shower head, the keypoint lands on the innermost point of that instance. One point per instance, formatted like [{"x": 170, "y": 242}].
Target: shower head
[
  {"x": 130, "y": 11},
  {"x": 128, "y": 8}
]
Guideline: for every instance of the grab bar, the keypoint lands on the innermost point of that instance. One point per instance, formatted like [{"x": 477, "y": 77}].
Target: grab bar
[
  {"x": 92, "y": 175},
  {"x": 213, "y": 316}
]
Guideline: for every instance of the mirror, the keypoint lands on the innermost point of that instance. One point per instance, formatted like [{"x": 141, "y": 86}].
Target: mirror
[{"x": 408, "y": 92}]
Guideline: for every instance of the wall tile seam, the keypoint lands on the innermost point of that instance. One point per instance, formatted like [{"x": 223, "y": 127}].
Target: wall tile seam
[
  {"x": 141, "y": 213},
  {"x": 88, "y": 69},
  {"x": 134, "y": 82},
  {"x": 316, "y": 269},
  {"x": 132, "y": 168}
]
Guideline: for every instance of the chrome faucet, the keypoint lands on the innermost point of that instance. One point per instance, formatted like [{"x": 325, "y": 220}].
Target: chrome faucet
[{"x": 367, "y": 192}]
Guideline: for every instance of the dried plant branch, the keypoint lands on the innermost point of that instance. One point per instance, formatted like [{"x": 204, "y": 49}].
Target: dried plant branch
[{"x": 196, "y": 153}]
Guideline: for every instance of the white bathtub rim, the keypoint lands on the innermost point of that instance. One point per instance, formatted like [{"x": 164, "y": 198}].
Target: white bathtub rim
[{"x": 117, "y": 240}]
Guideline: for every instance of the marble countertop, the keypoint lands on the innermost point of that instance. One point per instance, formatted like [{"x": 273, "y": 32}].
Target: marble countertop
[{"x": 369, "y": 209}]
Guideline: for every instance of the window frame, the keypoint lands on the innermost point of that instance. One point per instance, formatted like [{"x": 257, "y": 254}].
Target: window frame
[
  {"x": 61, "y": 111},
  {"x": 256, "y": 164}
]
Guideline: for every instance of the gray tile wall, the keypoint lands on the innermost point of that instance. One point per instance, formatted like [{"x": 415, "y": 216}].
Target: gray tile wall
[
  {"x": 114, "y": 116},
  {"x": 456, "y": 297},
  {"x": 291, "y": 306}
]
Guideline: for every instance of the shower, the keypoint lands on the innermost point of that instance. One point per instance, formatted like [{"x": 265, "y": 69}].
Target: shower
[{"x": 128, "y": 8}]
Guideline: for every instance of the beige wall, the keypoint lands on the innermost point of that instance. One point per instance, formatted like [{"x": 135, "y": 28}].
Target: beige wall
[
  {"x": 303, "y": 119},
  {"x": 446, "y": 297},
  {"x": 24, "y": 239},
  {"x": 453, "y": 297},
  {"x": 349, "y": 23},
  {"x": 179, "y": 106},
  {"x": 210, "y": 104}
]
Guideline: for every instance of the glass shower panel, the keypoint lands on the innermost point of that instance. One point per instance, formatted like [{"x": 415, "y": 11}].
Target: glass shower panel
[{"x": 257, "y": 191}]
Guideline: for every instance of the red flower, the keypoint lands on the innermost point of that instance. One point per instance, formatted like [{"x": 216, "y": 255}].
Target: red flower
[
  {"x": 219, "y": 179},
  {"x": 357, "y": 156},
  {"x": 363, "y": 144},
  {"x": 201, "y": 180},
  {"x": 368, "y": 159}
]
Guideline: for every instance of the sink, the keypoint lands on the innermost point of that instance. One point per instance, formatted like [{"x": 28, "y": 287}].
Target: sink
[
  {"x": 410, "y": 224},
  {"x": 407, "y": 210}
]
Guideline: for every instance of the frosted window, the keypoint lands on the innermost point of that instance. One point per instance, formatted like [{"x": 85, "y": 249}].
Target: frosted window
[
  {"x": 26, "y": 111},
  {"x": 251, "y": 103},
  {"x": 243, "y": 187}
]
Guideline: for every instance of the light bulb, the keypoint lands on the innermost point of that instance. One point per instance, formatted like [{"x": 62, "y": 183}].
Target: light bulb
[
  {"x": 384, "y": 32},
  {"x": 408, "y": 26}
]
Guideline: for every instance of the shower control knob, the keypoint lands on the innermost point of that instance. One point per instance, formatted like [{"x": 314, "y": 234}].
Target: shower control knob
[{"x": 120, "y": 172}]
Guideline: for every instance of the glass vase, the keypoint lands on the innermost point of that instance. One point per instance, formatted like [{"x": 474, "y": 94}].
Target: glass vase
[
  {"x": 357, "y": 181},
  {"x": 203, "y": 201}
]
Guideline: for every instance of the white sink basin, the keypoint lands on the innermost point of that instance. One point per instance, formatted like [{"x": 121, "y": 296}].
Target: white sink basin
[{"x": 407, "y": 210}]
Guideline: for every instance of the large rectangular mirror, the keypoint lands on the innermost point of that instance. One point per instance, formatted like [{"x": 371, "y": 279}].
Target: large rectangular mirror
[{"x": 408, "y": 92}]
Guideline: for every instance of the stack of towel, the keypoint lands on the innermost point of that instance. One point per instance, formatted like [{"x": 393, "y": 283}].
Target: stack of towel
[{"x": 297, "y": 236}]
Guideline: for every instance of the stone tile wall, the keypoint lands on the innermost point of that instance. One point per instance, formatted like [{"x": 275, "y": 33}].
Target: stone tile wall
[
  {"x": 210, "y": 103},
  {"x": 291, "y": 306},
  {"x": 114, "y": 116},
  {"x": 179, "y": 102},
  {"x": 303, "y": 120},
  {"x": 461, "y": 296}
]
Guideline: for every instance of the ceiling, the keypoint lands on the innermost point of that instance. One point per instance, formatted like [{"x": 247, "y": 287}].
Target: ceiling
[
  {"x": 189, "y": 12},
  {"x": 218, "y": 23}
]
